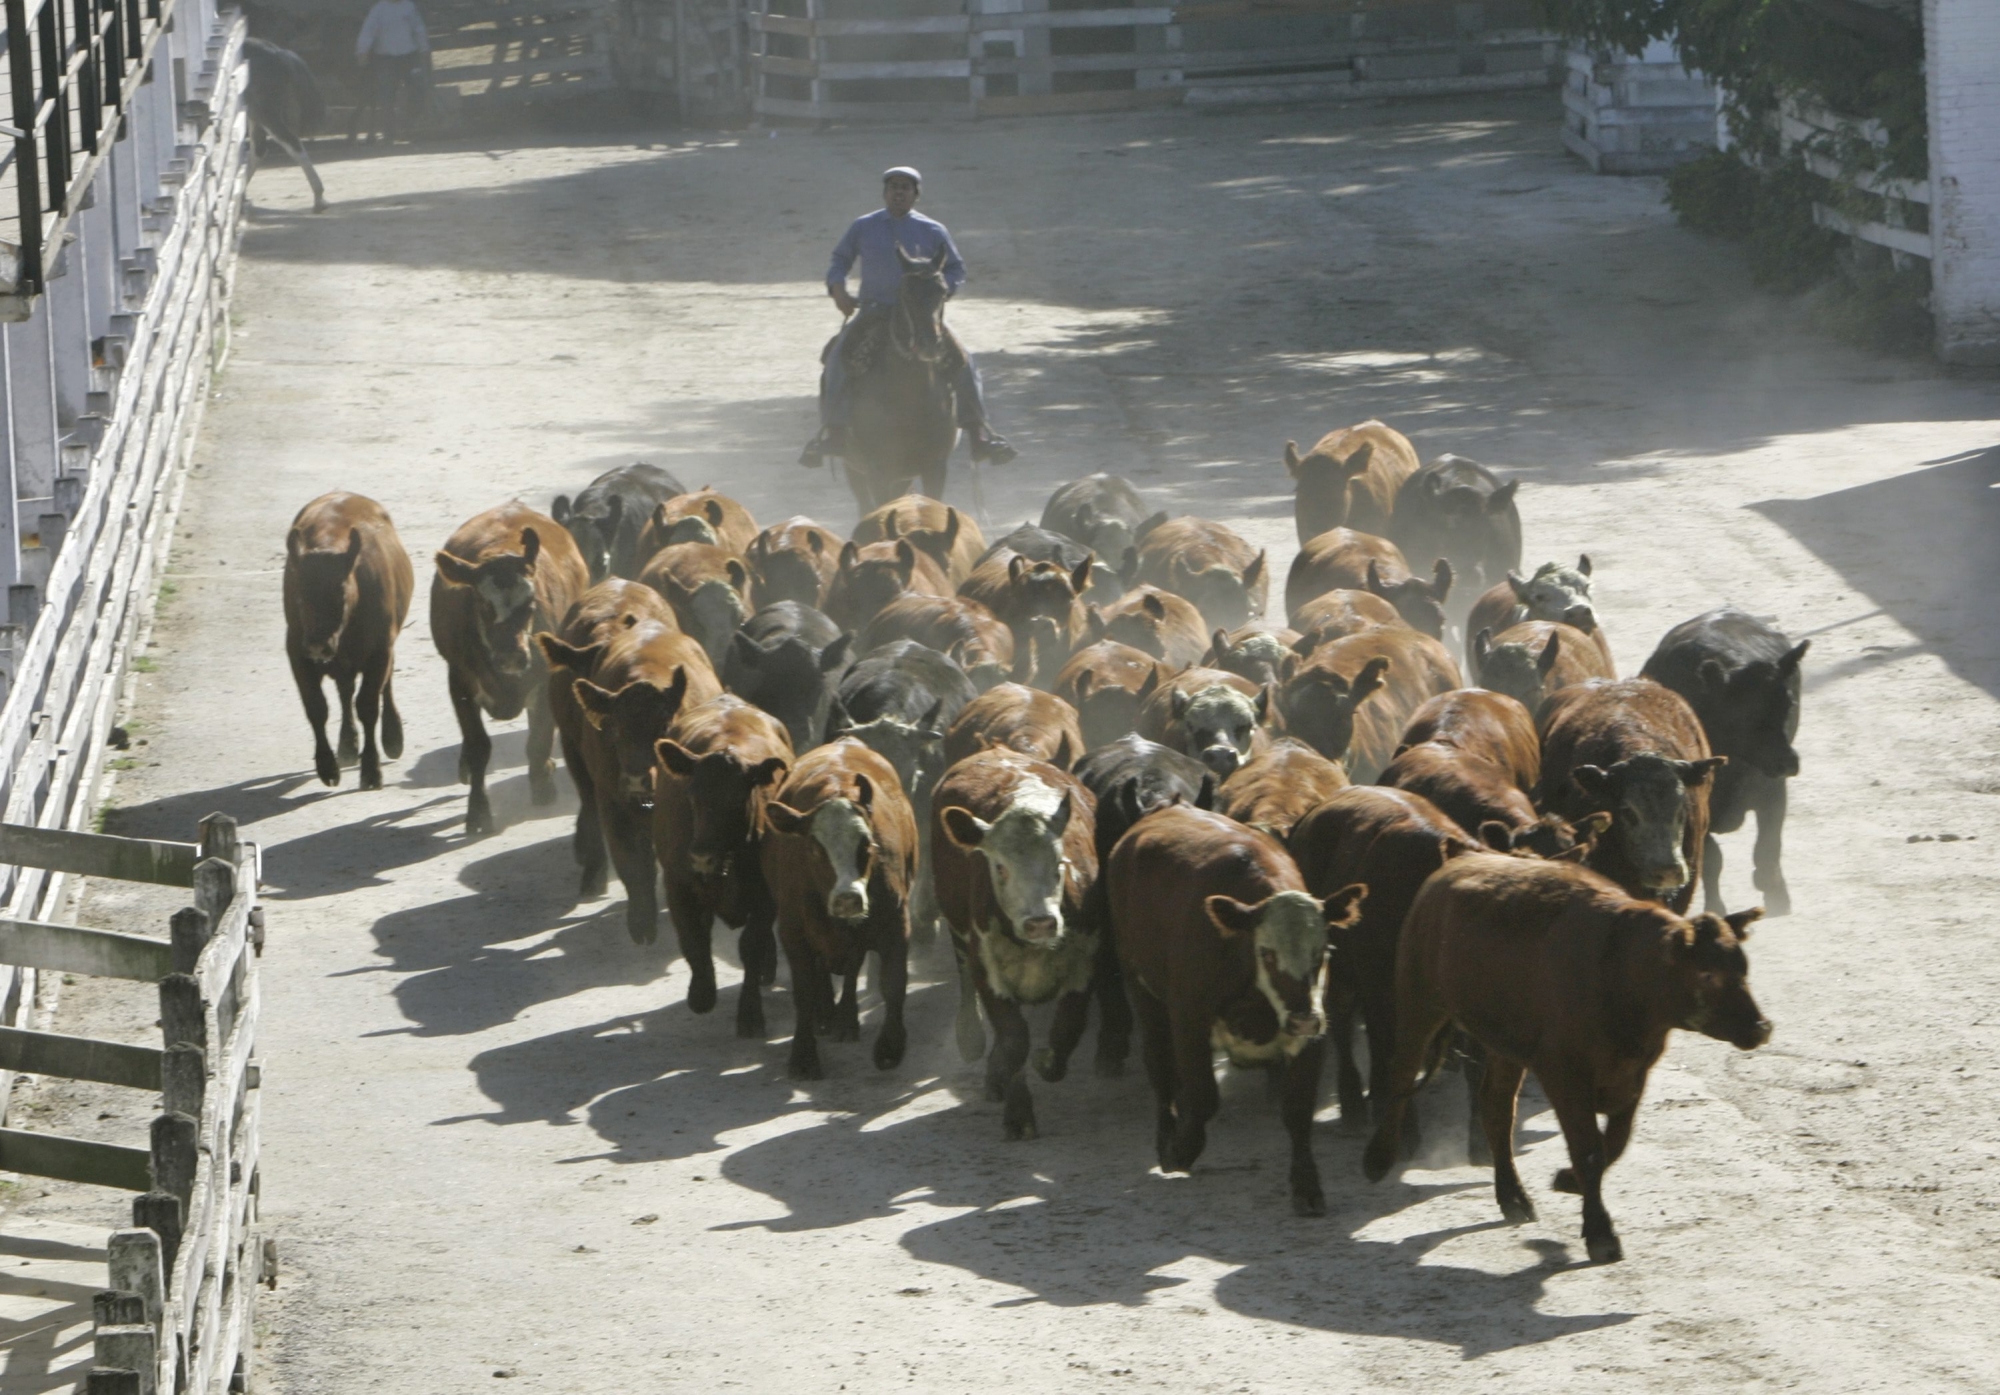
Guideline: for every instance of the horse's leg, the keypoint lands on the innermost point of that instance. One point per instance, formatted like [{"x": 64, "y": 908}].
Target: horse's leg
[{"x": 295, "y": 147}]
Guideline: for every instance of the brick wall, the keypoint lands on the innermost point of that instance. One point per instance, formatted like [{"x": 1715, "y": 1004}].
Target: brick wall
[{"x": 1962, "y": 45}]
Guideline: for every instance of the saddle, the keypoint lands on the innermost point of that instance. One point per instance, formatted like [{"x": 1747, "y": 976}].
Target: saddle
[{"x": 867, "y": 341}]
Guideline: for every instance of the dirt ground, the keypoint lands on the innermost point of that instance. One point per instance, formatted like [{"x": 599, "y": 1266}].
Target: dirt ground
[{"x": 498, "y": 1145}]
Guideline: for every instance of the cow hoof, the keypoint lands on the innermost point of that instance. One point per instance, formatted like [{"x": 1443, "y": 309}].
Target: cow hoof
[
  {"x": 1022, "y": 1131},
  {"x": 807, "y": 1069},
  {"x": 350, "y": 748},
  {"x": 1517, "y": 1209},
  {"x": 996, "y": 1090},
  {"x": 1110, "y": 1067},
  {"x": 889, "y": 1050},
  {"x": 593, "y": 884},
  {"x": 327, "y": 768},
  {"x": 749, "y": 1017},
  {"x": 321, "y": 206},
  {"x": 1777, "y": 899},
  {"x": 1312, "y": 1203},
  {"x": 1048, "y": 1067},
  {"x": 392, "y": 735},
  {"x": 479, "y": 821},
  {"x": 1604, "y": 1249},
  {"x": 1565, "y": 1181},
  {"x": 541, "y": 788},
  {"x": 371, "y": 775},
  {"x": 701, "y": 995},
  {"x": 1379, "y": 1157},
  {"x": 644, "y": 928},
  {"x": 847, "y": 1031}
]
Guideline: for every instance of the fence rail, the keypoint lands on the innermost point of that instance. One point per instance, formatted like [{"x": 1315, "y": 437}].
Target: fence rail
[{"x": 1903, "y": 225}]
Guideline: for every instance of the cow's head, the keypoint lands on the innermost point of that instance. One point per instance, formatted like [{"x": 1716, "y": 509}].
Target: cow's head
[
  {"x": 1045, "y": 589},
  {"x": 869, "y": 581},
  {"x": 1025, "y": 863},
  {"x": 1754, "y": 710},
  {"x": 1549, "y": 836},
  {"x": 789, "y": 680},
  {"x": 1714, "y": 975},
  {"x": 1142, "y": 626},
  {"x": 935, "y": 543},
  {"x": 711, "y": 611},
  {"x": 1288, "y": 934},
  {"x": 1105, "y": 534},
  {"x": 921, "y": 296},
  {"x": 503, "y": 591},
  {"x": 1259, "y": 657},
  {"x": 841, "y": 846},
  {"x": 791, "y": 573},
  {"x": 1646, "y": 796},
  {"x": 1107, "y": 710},
  {"x": 1323, "y": 479},
  {"x": 1041, "y": 648},
  {"x": 1136, "y": 796},
  {"x": 1218, "y": 724},
  {"x": 722, "y": 789},
  {"x": 328, "y": 588},
  {"x": 1557, "y": 593},
  {"x": 1222, "y": 594},
  {"x": 633, "y": 718},
  {"x": 1419, "y": 602},
  {"x": 914, "y": 749},
  {"x": 595, "y": 533},
  {"x": 1318, "y": 704},
  {"x": 1515, "y": 668}
]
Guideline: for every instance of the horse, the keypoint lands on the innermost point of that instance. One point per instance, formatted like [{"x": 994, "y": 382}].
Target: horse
[
  {"x": 903, "y": 421},
  {"x": 285, "y": 103}
]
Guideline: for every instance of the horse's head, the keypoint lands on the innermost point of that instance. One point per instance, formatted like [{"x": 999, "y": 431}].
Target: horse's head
[{"x": 922, "y": 297}]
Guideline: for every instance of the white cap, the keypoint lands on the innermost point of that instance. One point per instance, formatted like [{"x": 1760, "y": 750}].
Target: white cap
[{"x": 906, "y": 172}]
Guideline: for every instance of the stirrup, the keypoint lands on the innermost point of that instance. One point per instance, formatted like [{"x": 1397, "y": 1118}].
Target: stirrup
[{"x": 989, "y": 448}]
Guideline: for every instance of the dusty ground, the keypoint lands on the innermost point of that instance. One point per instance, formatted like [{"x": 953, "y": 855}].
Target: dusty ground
[{"x": 497, "y": 1143}]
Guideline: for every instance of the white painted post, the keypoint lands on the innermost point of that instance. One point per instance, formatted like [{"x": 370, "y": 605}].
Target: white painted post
[{"x": 1961, "y": 38}]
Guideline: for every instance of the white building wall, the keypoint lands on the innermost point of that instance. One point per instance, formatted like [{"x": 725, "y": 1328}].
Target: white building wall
[{"x": 1962, "y": 55}]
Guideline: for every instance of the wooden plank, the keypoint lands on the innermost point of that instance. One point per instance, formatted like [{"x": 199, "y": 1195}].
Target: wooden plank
[
  {"x": 1065, "y": 103},
  {"x": 913, "y": 68},
  {"x": 71, "y": 949},
  {"x": 80, "y": 1058},
  {"x": 797, "y": 27},
  {"x": 1075, "y": 19},
  {"x": 1916, "y": 244},
  {"x": 99, "y": 854},
  {"x": 75, "y": 1160}
]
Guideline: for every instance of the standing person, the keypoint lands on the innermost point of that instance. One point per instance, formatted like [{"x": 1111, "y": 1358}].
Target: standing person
[
  {"x": 397, "y": 46},
  {"x": 873, "y": 240}
]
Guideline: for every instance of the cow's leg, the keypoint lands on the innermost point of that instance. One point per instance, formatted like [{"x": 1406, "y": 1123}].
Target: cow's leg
[
  {"x": 694, "y": 922},
  {"x": 1156, "y": 1048},
  {"x": 1421, "y": 1021},
  {"x": 1301, "y": 1098},
  {"x": 1342, "y": 1010},
  {"x": 1114, "y": 1012},
  {"x": 1617, "y": 1133},
  {"x": 632, "y": 854},
  {"x": 587, "y": 843},
  {"x": 1768, "y": 874},
  {"x": 757, "y": 952},
  {"x": 312, "y": 693},
  {"x": 1570, "y": 1095},
  {"x": 966, "y": 1027},
  {"x": 1071, "y": 1018},
  {"x": 541, "y": 748},
  {"x": 1378, "y": 1015},
  {"x": 1499, "y": 1098},
  {"x": 368, "y": 706},
  {"x": 392, "y": 720},
  {"x": 894, "y": 1038},
  {"x": 1474, "y": 1063},
  {"x": 1006, "y": 1079},
  {"x": 350, "y": 738},
  {"x": 474, "y": 751},
  {"x": 847, "y": 1012},
  {"x": 1711, "y": 876},
  {"x": 1196, "y": 1098},
  {"x": 810, "y": 998}
]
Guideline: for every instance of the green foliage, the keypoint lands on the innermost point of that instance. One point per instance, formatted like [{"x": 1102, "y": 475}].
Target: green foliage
[{"x": 1716, "y": 194}]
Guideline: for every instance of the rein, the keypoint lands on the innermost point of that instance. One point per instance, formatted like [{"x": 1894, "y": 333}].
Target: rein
[{"x": 903, "y": 335}]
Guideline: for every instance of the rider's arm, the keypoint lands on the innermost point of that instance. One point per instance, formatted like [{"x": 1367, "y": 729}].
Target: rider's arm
[
  {"x": 844, "y": 253},
  {"x": 954, "y": 265},
  {"x": 365, "y": 42},
  {"x": 423, "y": 32}
]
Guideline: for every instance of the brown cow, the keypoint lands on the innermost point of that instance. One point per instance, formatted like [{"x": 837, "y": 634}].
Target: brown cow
[
  {"x": 639, "y": 684},
  {"x": 1636, "y": 750},
  {"x": 1554, "y": 969},
  {"x": 1475, "y": 755},
  {"x": 1255, "y": 652},
  {"x": 708, "y": 588},
  {"x": 869, "y": 577},
  {"x": 1349, "y": 479},
  {"x": 951, "y": 539},
  {"x": 1534, "y": 659},
  {"x": 1555, "y": 593},
  {"x": 1167, "y": 626},
  {"x": 793, "y": 561},
  {"x": 1489, "y": 724},
  {"x": 1223, "y": 947},
  {"x": 1216, "y": 717},
  {"x": 731, "y": 523},
  {"x": 1015, "y": 867},
  {"x": 719, "y": 764},
  {"x": 1210, "y": 565},
  {"x": 966, "y": 630},
  {"x": 1344, "y": 560},
  {"x": 505, "y": 575},
  {"x": 1039, "y": 602},
  {"x": 1389, "y": 840},
  {"x": 1275, "y": 790},
  {"x": 841, "y": 861},
  {"x": 347, "y": 593},
  {"x": 605, "y": 610},
  {"x": 1340, "y": 613},
  {"x": 1350, "y": 700},
  {"x": 1015, "y": 717},
  {"x": 1107, "y": 683}
]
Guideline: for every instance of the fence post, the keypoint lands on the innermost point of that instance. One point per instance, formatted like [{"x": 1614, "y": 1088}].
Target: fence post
[
  {"x": 131, "y": 1349},
  {"x": 104, "y": 1382},
  {"x": 160, "y": 1212},
  {"x": 218, "y": 838},
  {"x": 189, "y": 929},
  {"x": 134, "y": 1257},
  {"x": 181, "y": 1018},
  {"x": 176, "y": 1150},
  {"x": 214, "y": 886},
  {"x": 183, "y": 1079}
]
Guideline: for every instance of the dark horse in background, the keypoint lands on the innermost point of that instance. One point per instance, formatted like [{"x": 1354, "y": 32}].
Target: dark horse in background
[
  {"x": 903, "y": 421},
  {"x": 285, "y": 103}
]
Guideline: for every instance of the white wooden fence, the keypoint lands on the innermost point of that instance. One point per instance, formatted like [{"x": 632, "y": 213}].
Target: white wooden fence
[{"x": 1902, "y": 206}]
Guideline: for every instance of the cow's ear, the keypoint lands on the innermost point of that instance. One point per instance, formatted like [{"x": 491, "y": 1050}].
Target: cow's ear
[
  {"x": 614, "y": 514},
  {"x": 1059, "y": 821},
  {"x": 675, "y": 757},
  {"x": 906, "y": 559},
  {"x": 1204, "y": 798},
  {"x": 1550, "y": 653},
  {"x": 746, "y": 650},
  {"x": 559, "y": 510},
  {"x": 675, "y": 694},
  {"x": 597, "y": 704},
  {"x": 768, "y": 771},
  {"x": 1288, "y": 666},
  {"x": 838, "y": 722},
  {"x": 1741, "y": 921},
  {"x": 1148, "y": 524},
  {"x": 1374, "y": 580},
  {"x": 1093, "y": 624},
  {"x": 1016, "y": 565},
  {"x": 1482, "y": 649},
  {"x": 783, "y": 818},
  {"x": 1496, "y": 835},
  {"x": 531, "y": 546},
  {"x": 1693, "y": 772},
  {"x": 1583, "y": 563},
  {"x": 1503, "y": 497},
  {"x": 1357, "y": 462},
  {"x": 1519, "y": 584},
  {"x": 1367, "y": 681},
  {"x": 456, "y": 570},
  {"x": 1063, "y": 757},
  {"x": 1218, "y": 649},
  {"x": 931, "y": 715},
  {"x": 836, "y": 654},
  {"x": 1254, "y": 571},
  {"x": 1178, "y": 704},
  {"x": 1231, "y": 916},
  {"x": 1085, "y": 685},
  {"x": 850, "y": 552},
  {"x": 1591, "y": 827},
  {"x": 739, "y": 575},
  {"x": 815, "y": 544},
  {"x": 1789, "y": 664},
  {"x": 1128, "y": 568},
  {"x": 713, "y": 508},
  {"x": 864, "y": 792},
  {"x": 1713, "y": 675},
  {"x": 1593, "y": 780},
  {"x": 1292, "y": 461},
  {"x": 965, "y": 830},
  {"x": 1079, "y": 577},
  {"x": 951, "y": 529},
  {"x": 353, "y": 553},
  {"x": 577, "y": 658},
  {"x": 1441, "y": 579},
  {"x": 1262, "y": 705},
  {"x": 1343, "y": 908},
  {"x": 1150, "y": 686}
]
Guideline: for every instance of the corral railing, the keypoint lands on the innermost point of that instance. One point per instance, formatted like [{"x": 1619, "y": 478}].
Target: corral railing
[
  {"x": 1896, "y": 213},
  {"x": 824, "y": 59}
]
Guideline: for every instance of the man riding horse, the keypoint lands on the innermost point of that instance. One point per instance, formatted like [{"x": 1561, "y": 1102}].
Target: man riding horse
[{"x": 881, "y": 241}]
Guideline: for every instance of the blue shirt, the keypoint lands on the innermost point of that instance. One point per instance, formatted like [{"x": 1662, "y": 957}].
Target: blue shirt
[{"x": 874, "y": 237}]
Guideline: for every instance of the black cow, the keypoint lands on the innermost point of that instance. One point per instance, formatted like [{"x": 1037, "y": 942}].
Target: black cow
[
  {"x": 1131, "y": 777},
  {"x": 1741, "y": 677},
  {"x": 607, "y": 517},
  {"x": 1458, "y": 509},
  {"x": 1042, "y": 545},
  {"x": 1102, "y": 512},
  {"x": 787, "y": 659}
]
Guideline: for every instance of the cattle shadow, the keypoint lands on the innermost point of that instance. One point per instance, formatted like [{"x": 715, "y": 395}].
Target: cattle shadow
[
  {"x": 1920, "y": 545},
  {"x": 178, "y": 817}
]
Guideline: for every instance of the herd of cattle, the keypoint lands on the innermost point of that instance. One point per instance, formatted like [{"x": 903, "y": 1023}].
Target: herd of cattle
[{"x": 1087, "y": 752}]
